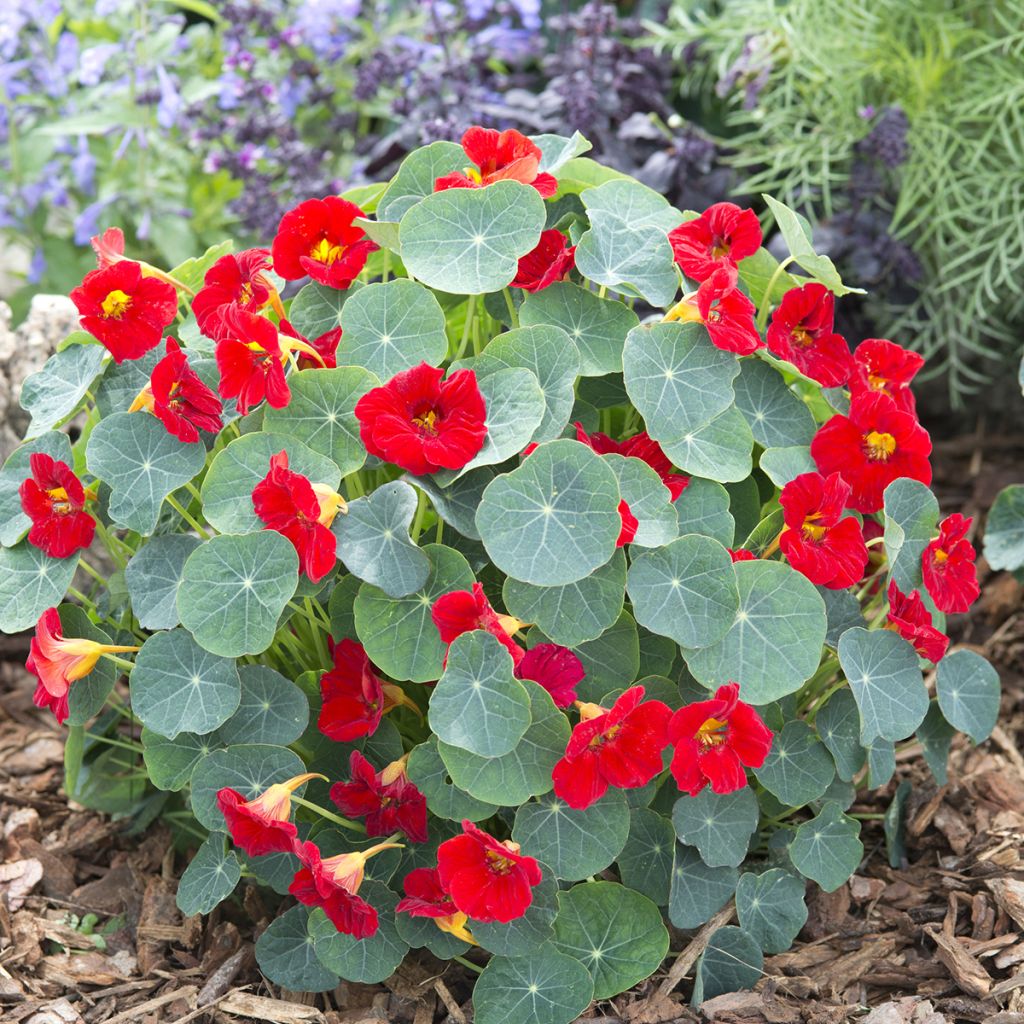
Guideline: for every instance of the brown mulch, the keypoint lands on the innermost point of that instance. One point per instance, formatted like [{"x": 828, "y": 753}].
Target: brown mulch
[{"x": 939, "y": 939}]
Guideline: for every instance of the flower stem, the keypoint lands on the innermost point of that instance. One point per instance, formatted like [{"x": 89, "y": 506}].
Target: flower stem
[
  {"x": 468, "y": 963},
  {"x": 765, "y": 304},
  {"x": 184, "y": 513},
  {"x": 120, "y": 662},
  {"x": 512, "y": 311},
  {"x": 324, "y": 813},
  {"x": 114, "y": 546},
  {"x": 94, "y": 573}
]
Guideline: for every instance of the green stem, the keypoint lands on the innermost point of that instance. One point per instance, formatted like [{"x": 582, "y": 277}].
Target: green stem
[
  {"x": 120, "y": 662},
  {"x": 512, "y": 311},
  {"x": 114, "y": 546},
  {"x": 135, "y": 748},
  {"x": 421, "y": 512},
  {"x": 354, "y": 486},
  {"x": 602, "y": 291},
  {"x": 186, "y": 516},
  {"x": 468, "y": 963},
  {"x": 318, "y": 640},
  {"x": 194, "y": 491},
  {"x": 79, "y": 596},
  {"x": 324, "y": 813},
  {"x": 94, "y": 573},
  {"x": 765, "y": 305},
  {"x": 467, "y": 330}
]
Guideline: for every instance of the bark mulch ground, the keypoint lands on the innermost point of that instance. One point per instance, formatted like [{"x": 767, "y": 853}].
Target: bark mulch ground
[{"x": 89, "y": 930}]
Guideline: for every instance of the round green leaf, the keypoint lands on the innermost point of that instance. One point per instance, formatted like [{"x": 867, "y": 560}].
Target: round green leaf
[
  {"x": 363, "y": 960},
  {"x": 445, "y": 797},
  {"x": 153, "y": 576},
  {"x": 398, "y": 633},
  {"x": 421, "y": 932},
  {"x": 555, "y": 518},
  {"x": 732, "y": 960},
  {"x": 686, "y": 591},
  {"x": 169, "y": 763},
  {"x": 718, "y": 824},
  {"x": 88, "y": 695},
  {"x": 374, "y": 542},
  {"x": 827, "y": 849},
  {"x": 469, "y": 240},
  {"x": 881, "y": 762},
  {"x": 456, "y": 503},
  {"x": 210, "y": 877},
  {"x": 546, "y": 987},
  {"x": 597, "y": 326},
  {"x": 798, "y": 768},
  {"x": 285, "y": 954},
  {"x": 842, "y": 611},
  {"x": 13, "y": 522},
  {"x": 233, "y": 590},
  {"x": 142, "y": 463},
  {"x": 341, "y": 608},
  {"x": 121, "y": 382},
  {"x": 885, "y": 678},
  {"x": 249, "y": 768},
  {"x": 391, "y": 327},
  {"x": 321, "y": 413},
  {"x": 52, "y": 394},
  {"x": 416, "y": 176},
  {"x": 719, "y": 450},
  {"x": 771, "y": 908},
  {"x": 968, "y": 690},
  {"x": 527, "y": 933},
  {"x": 179, "y": 687},
  {"x": 238, "y": 468},
  {"x": 575, "y": 843},
  {"x": 272, "y": 709},
  {"x": 698, "y": 891},
  {"x": 911, "y": 520},
  {"x": 617, "y": 934},
  {"x": 478, "y": 705},
  {"x": 31, "y": 582},
  {"x": 525, "y": 770},
  {"x": 645, "y": 863},
  {"x": 1004, "y": 529},
  {"x": 551, "y": 356},
  {"x": 317, "y": 309},
  {"x": 704, "y": 508},
  {"x": 777, "y": 417},
  {"x": 575, "y": 612},
  {"x": 774, "y": 644},
  {"x": 935, "y": 735},
  {"x": 649, "y": 500},
  {"x": 838, "y": 724},
  {"x": 627, "y": 243},
  {"x": 784, "y": 464},
  {"x": 676, "y": 378}
]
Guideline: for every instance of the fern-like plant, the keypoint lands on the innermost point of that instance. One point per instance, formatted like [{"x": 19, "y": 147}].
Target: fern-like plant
[{"x": 806, "y": 82}]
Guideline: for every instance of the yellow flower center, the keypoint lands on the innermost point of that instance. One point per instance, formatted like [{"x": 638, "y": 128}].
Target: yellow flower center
[
  {"x": 427, "y": 422},
  {"x": 115, "y": 305},
  {"x": 940, "y": 556},
  {"x": 712, "y": 733},
  {"x": 326, "y": 252},
  {"x": 801, "y": 337},
  {"x": 60, "y": 504},
  {"x": 811, "y": 530},
  {"x": 879, "y": 446},
  {"x": 498, "y": 864}
]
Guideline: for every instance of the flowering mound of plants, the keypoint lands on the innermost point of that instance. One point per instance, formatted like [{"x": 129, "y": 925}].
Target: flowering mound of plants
[{"x": 482, "y": 593}]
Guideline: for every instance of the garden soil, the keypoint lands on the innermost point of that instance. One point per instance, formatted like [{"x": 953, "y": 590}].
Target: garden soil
[{"x": 938, "y": 938}]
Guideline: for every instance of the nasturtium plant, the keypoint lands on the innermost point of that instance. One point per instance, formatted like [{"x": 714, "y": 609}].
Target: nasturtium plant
[{"x": 509, "y": 567}]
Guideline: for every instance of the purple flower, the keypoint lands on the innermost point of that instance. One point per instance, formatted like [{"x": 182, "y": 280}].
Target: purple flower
[
  {"x": 93, "y": 62},
  {"x": 87, "y": 223},
  {"x": 169, "y": 108},
  {"x": 83, "y": 167},
  {"x": 37, "y": 268}
]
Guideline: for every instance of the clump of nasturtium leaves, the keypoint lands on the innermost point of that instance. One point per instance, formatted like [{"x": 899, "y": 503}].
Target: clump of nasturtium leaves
[{"x": 480, "y": 592}]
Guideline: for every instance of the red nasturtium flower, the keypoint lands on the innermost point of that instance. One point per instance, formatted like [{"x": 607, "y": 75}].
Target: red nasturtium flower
[
  {"x": 386, "y": 799},
  {"x": 630, "y": 524},
  {"x": 911, "y": 619},
  {"x": 57, "y": 661},
  {"x": 548, "y": 262},
  {"x": 714, "y": 740},
  {"x": 817, "y": 540},
  {"x": 109, "y": 247},
  {"x": 126, "y": 310},
  {"x": 286, "y": 502},
  {"x": 354, "y": 697},
  {"x": 872, "y": 446},
  {"x": 724, "y": 310},
  {"x": 326, "y": 346},
  {"x": 741, "y": 555},
  {"x": 425, "y": 897},
  {"x": 54, "y": 499},
  {"x": 801, "y": 332},
  {"x": 461, "y": 611},
  {"x": 619, "y": 747},
  {"x": 555, "y": 668},
  {"x": 947, "y": 566},
  {"x": 178, "y": 398},
  {"x": 722, "y": 234},
  {"x": 640, "y": 446},
  {"x": 239, "y": 280},
  {"x": 499, "y": 156},
  {"x": 319, "y": 238},
  {"x": 882, "y": 365},
  {"x": 261, "y": 825},
  {"x": 487, "y": 879},
  {"x": 332, "y": 883},
  {"x": 421, "y": 423}
]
